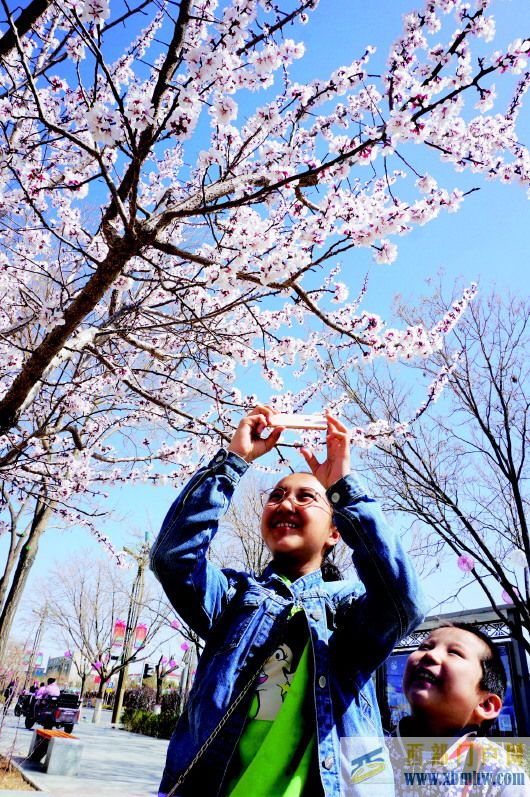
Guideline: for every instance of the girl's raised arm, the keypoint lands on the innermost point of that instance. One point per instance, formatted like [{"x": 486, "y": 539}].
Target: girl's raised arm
[
  {"x": 247, "y": 442},
  {"x": 337, "y": 462}
]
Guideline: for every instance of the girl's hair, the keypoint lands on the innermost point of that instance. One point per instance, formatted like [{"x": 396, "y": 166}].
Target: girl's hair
[{"x": 330, "y": 571}]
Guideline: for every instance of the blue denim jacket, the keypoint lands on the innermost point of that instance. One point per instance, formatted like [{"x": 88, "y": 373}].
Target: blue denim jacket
[{"x": 353, "y": 627}]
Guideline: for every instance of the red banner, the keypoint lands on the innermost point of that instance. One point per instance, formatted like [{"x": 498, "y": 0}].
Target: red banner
[
  {"x": 118, "y": 636},
  {"x": 140, "y": 635}
]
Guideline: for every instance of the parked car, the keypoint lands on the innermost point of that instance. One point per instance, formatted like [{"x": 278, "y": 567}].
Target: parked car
[{"x": 59, "y": 712}]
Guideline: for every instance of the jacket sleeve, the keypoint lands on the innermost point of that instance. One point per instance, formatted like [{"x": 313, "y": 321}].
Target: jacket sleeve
[
  {"x": 392, "y": 604},
  {"x": 196, "y": 588}
]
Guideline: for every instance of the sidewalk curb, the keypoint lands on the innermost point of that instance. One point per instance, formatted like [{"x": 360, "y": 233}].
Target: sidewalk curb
[{"x": 27, "y": 777}]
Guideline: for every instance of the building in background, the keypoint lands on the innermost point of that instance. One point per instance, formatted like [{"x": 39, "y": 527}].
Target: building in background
[{"x": 60, "y": 668}]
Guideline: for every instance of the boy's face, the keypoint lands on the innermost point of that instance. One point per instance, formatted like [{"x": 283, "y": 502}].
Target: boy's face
[
  {"x": 441, "y": 681},
  {"x": 298, "y": 532}
]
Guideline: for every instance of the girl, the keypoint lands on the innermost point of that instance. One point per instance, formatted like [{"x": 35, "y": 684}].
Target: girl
[{"x": 284, "y": 679}]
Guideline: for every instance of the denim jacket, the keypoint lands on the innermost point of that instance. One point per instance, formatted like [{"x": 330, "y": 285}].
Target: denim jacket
[{"x": 353, "y": 628}]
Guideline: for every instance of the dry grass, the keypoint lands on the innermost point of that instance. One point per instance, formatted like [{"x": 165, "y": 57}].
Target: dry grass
[{"x": 10, "y": 778}]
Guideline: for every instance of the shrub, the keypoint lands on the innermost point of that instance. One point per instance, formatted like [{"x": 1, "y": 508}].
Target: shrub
[
  {"x": 171, "y": 702},
  {"x": 142, "y": 698},
  {"x": 166, "y": 724},
  {"x": 159, "y": 725}
]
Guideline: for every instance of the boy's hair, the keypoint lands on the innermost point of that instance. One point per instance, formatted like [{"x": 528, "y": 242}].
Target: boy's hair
[{"x": 493, "y": 673}]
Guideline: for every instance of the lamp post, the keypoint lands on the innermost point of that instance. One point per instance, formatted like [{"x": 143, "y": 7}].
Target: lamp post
[
  {"x": 36, "y": 642},
  {"x": 137, "y": 592}
]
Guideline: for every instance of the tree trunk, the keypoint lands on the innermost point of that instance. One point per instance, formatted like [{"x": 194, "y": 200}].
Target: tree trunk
[
  {"x": 27, "y": 18},
  {"x": 25, "y": 562},
  {"x": 98, "y": 706}
]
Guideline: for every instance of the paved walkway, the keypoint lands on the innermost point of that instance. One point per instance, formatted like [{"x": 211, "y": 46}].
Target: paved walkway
[{"x": 114, "y": 762}]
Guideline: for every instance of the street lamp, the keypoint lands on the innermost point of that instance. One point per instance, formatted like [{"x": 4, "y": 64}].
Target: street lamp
[{"x": 141, "y": 556}]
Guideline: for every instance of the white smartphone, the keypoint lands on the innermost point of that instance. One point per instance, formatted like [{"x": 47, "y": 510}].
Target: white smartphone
[{"x": 298, "y": 421}]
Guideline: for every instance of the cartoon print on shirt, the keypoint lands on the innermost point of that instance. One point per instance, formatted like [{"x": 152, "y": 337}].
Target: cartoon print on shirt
[{"x": 273, "y": 684}]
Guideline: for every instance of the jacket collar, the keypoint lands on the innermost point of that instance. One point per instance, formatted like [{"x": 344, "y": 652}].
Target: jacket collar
[{"x": 300, "y": 585}]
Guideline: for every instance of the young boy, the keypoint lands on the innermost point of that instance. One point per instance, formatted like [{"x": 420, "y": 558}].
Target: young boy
[
  {"x": 284, "y": 682},
  {"x": 455, "y": 684}
]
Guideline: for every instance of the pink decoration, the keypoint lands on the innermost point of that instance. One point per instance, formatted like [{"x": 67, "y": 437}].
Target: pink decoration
[
  {"x": 466, "y": 563},
  {"x": 97, "y": 665},
  {"x": 185, "y": 646},
  {"x": 507, "y": 598},
  {"x": 163, "y": 660},
  {"x": 172, "y": 663},
  {"x": 67, "y": 654},
  {"x": 175, "y": 624}
]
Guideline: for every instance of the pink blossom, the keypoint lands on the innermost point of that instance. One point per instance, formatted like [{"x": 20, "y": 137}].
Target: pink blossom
[
  {"x": 466, "y": 563},
  {"x": 93, "y": 10},
  {"x": 386, "y": 252},
  {"x": 426, "y": 184}
]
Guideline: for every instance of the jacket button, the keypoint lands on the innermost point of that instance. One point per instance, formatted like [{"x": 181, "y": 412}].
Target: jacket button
[
  {"x": 335, "y": 497},
  {"x": 219, "y": 458},
  {"x": 322, "y": 681},
  {"x": 316, "y": 615},
  {"x": 327, "y": 763}
]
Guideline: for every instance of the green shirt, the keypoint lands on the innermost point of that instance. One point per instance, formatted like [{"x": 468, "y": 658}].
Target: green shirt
[{"x": 275, "y": 754}]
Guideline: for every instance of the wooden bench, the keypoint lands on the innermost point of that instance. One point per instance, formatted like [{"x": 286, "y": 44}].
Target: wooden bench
[{"x": 62, "y": 751}]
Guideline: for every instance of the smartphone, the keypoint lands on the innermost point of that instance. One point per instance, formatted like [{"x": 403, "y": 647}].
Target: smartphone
[{"x": 298, "y": 421}]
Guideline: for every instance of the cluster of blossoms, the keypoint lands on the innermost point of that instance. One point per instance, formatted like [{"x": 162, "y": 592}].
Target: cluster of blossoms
[
  {"x": 74, "y": 519},
  {"x": 213, "y": 249}
]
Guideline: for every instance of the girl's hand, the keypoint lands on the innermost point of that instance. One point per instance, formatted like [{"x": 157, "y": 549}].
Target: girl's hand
[
  {"x": 337, "y": 463},
  {"x": 247, "y": 441}
]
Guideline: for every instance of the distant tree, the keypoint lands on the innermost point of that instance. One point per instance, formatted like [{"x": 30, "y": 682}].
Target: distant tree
[
  {"x": 84, "y": 605},
  {"x": 83, "y": 669},
  {"x": 463, "y": 469},
  {"x": 26, "y": 520},
  {"x": 239, "y": 543},
  {"x": 163, "y": 668},
  {"x": 15, "y": 666}
]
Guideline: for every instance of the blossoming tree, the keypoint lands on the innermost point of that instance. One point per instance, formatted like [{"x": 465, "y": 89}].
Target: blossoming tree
[
  {"x": 461, "y": 478},
  {"x": 172, "y": 210}
]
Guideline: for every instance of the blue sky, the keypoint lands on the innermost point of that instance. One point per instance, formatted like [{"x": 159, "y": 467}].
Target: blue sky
[{"x": 486, "y": 241}]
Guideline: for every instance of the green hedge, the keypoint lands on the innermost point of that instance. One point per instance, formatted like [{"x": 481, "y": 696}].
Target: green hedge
[{"x": 159, "y": 725}]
